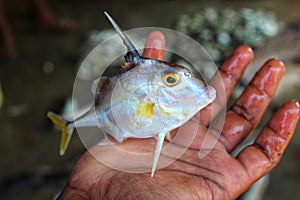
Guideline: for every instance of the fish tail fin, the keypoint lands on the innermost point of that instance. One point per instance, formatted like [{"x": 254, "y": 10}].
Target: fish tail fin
[{"x": 66, "y": 132}]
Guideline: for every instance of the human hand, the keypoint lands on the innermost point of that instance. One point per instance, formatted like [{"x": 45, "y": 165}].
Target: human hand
[{"x": 216, "y": 176}]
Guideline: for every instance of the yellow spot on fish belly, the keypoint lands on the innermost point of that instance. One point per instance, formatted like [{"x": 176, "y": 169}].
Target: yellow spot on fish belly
[{"x": 144, "y": 108}]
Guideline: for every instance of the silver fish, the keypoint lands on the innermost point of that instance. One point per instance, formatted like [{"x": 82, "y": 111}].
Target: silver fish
[{"x": 149, "y": 99}]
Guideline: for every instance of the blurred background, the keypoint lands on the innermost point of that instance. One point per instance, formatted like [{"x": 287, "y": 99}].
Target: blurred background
[{"x": 40, "y": 76}]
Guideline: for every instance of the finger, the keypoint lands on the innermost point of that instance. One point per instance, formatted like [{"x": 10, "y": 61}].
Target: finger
[
  {"x": 155, "y": 46},
  {"x": 247, "y": 111},
  {"x": 84, "y": 176},
  {"x": 229, "y": 74},
  {"x": 259, "y": 158}
]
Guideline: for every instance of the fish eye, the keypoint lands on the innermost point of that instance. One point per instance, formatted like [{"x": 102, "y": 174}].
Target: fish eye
[{"x": 170, "y": 79}]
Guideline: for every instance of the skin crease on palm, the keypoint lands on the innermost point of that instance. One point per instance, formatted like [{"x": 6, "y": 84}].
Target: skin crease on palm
[{"x": 216, "y": 176}]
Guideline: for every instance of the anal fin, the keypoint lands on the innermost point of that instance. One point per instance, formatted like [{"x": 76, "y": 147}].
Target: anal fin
[{"x": 159, "y": 144}]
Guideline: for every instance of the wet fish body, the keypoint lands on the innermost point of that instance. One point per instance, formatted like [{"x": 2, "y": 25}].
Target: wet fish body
[
  {"x": 135, "y": 103},
  {"x": 149, "y": 99}
]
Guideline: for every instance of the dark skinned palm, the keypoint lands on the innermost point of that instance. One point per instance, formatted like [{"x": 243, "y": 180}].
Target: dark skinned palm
[{"x": 218, "y": 175}]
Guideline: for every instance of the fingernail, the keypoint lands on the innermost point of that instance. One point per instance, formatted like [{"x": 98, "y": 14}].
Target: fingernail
[
  {"x": 157, "y": 44},
  {"x": 297, "y": 103}
]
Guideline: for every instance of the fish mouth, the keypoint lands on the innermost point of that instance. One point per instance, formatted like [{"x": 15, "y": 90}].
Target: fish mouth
[{"x": 210, "y": 92}]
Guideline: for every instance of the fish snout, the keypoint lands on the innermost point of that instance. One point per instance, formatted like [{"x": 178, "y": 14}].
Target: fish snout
[
  {"x": 206, "y": 91},
  {"x": 210, "y": 92},
  {"x": 205, "y": 96}
]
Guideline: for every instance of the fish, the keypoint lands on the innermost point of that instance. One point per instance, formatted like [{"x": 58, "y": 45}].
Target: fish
[{"x": 148, "y": 98}]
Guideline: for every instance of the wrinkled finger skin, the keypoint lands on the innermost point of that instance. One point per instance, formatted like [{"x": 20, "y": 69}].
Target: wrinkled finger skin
[
  {"x": 250, "y": 106},
  {"x": 259, "y": 158},
  {"x": 278, "y": 132},
  {"x": 216, "y": 176},
  {"x": 230, "y": 71}
]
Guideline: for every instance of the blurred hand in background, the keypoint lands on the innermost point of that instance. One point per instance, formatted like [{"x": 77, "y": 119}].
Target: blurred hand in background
[{"x": 43, "y": 19}]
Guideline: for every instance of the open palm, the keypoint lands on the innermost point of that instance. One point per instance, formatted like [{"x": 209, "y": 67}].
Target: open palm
[{"x": 218, "y": 175}]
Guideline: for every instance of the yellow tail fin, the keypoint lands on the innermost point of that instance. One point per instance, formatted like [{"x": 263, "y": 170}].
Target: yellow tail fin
[{"x": 66, "y": 132}]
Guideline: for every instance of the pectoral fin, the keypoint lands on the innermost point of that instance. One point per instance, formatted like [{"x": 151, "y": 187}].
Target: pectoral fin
[
  {"x": 159, "y": 144},
  {"x": 98, "y": 83},
  {"x": 168, "y": 137}
]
